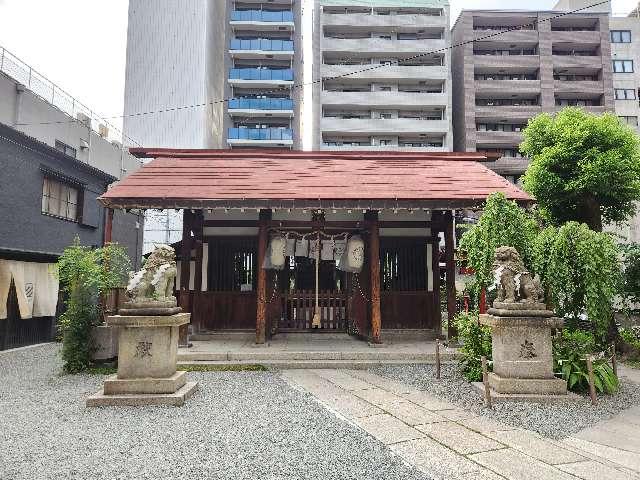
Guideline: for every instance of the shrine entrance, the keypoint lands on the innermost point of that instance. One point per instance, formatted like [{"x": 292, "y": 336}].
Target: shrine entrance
[{"x": 298, "y": 300}]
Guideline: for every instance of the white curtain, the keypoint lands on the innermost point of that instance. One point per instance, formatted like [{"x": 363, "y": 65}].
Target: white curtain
[{"x": 36, "y": 288}]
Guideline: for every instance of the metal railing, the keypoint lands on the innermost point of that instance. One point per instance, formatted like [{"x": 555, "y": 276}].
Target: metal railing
[
  {"x": 261, "y": 104},
  {"x": 261, "y": 16},
  {"x": 260, "y": 134},
  {"x": 47, "y": 90},
  {"x": 264, "y": 44},
  {"x": 261, "y": 74}
]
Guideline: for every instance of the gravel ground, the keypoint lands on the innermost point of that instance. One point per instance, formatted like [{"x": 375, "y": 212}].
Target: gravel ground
[
  {"x": 555, "y": 421},
  {"x": 248, "y": 425}
]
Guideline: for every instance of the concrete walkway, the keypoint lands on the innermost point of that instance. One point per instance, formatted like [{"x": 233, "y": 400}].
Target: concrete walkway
[
  {"x": 449, "y": 443},
  {"x": 311, "y": 350}
]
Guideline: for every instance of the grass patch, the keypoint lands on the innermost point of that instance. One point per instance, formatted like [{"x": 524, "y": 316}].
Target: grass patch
[
  {"x": 102, "y": 370},
  {"x": 223, "y": 368},
  {"x": 633, "y": 364},
  {"x": 110, "y": 370}
]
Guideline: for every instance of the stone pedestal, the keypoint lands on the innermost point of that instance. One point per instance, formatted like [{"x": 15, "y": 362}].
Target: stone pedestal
[
  {"x": 522, "y": 351},
  {"x": 105, "y": 340},
  {"x": 147, "y": 356}
]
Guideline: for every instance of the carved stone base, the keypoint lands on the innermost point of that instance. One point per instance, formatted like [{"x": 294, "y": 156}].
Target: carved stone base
[
  {"x": 537, "y": 386},
  {"x": 147, "y": 358},
  {"x": 150, "y": 307},
  {"x": 522, "y": 355},
  {"x": 503, "y": 309}
]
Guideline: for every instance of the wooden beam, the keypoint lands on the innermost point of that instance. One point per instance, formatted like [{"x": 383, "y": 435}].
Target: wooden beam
[
  {"x": 374, "y": 269},
  {"x": 108, "y": 226},
  {"x": 451, "y": 273},
  {"x": 261, "y": 290}
]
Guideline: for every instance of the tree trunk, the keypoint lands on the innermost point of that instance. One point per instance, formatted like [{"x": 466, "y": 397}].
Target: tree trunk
[{"x": 592, "y": 215}]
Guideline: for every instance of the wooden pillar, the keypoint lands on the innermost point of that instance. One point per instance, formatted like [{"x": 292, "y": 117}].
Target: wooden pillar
[
  {"x": 184, "y": 295},
  {"x": 198, "y": 230},
  {"x": 451, "y": 272},
  {"x": 108, "y": 226},
  {"x": 371, "y": 218},
  {"x": 261, "y": 290},
  {"x": 435, "y": 259}
]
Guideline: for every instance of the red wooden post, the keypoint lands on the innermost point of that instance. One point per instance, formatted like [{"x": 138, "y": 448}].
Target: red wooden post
[
  {"x": 261, "y": 290},
  {"x": 483, "y": 301},
  {"x": 374, "y": 269},
  {"x": 108, "y": 226},
  {"x": 451, "y": 273},
  {"x": 435, "y": 266},
  {"x": 185, "y": 273},
  {"x": 198, "y": 230}
]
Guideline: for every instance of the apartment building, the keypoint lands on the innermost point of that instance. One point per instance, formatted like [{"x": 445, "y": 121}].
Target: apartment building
[
  {"x": 385, "y": 70},
  {"x": 39, "y": 117},
  {"x": 514, "y": 65},
  {"x": 228, "y": 66},
  {"x": 625, "y": 55}
]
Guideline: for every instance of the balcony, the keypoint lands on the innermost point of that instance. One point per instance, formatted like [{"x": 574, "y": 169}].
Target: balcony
[
  {"x": 387, "y": 72},
  {"x": 529, "y": 62},
  {"x": 383, "y": 148},
  {"x": 262, "y": 16},
  {"x": 499, "y": 138},
  {"x": 591, "y": 62},
  {"x": 490, "y": 87},
  {"x": 276, "y": 137},
  {"x": 576, "y": 37},
  {"x": 259, "y": 48},
  {"x": 380, "y": 126},
  {"x": 381, "y": 45},
  {"x": 507, "y": 112},
  {"x": 513, "y": 36},
  {"x": 261, "y": 107},
  {"x": 587, "y": 87},
  {"x": 388, "y": 21},
  {"x": 260, "y": 77},
  {"x": 384, "y": 99}
]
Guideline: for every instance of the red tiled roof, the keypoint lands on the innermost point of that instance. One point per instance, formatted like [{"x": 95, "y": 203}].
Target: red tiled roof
[{"x": 254, "y": 178}]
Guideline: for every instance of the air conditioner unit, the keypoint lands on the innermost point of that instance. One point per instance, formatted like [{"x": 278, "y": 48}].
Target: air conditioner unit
[
  {"x": 103, "y": 131},
  {"x": 84, "y": 119}
]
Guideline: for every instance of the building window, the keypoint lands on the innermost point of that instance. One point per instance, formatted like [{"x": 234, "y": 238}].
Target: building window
[
  {"x": 629, "y": 120},
  {"x": 620, "y": 36},
  {"x": 623, "y": 66},
  {"x": 60, "y": 199},
  {"x": 625, "y": 94},
  {"x": 66, "y": 149}
]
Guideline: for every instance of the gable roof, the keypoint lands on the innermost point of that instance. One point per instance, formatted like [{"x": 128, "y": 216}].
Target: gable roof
[{"x": 286, "y": 179}]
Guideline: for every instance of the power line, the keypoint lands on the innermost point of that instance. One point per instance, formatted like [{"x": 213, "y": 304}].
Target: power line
[{"x": 395, "y": 62}]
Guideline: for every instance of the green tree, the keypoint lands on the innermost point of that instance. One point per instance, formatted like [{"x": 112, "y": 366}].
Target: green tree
[
  {"x": 581, "y": 272},
  {"x": 584, "y": 167},
  {"x": 85, "y": 274},
  {"x": 502, "y": 223}
]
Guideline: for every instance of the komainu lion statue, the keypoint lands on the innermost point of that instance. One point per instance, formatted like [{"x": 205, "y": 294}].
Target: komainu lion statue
[
  {"x": 512, "y": 280},
  {"x": 154, "y": 283}
]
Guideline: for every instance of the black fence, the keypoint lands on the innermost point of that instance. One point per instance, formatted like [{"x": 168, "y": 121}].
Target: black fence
[{"x": 17, "y": 332}]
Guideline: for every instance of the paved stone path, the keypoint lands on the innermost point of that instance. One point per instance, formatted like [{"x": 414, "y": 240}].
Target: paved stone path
[{"x": 447, "y": 442}]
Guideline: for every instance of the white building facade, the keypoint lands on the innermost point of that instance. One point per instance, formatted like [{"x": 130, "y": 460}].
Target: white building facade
[{"x": 386, "y": 75}]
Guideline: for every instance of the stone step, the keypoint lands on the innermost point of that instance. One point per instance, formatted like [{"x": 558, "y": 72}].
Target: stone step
[
  {"x": 305, "y": 364},
  {"x": 376, "y": 354}
]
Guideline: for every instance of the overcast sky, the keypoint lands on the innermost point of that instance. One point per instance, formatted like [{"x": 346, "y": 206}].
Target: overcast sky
[{"x": 81, "y": 44}]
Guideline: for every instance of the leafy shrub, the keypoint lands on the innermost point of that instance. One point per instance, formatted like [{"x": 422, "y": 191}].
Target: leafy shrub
[
  {"x": 569, "y": 357},
  {"x": 502, "y": 223},
  {"x": 631, "y": 280},
  {"x": 631, "y": 336},
  {"x": 85, "y": 274},
  {"x": 580, "y": 269},
  {"x": 476, "y": 342}
]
